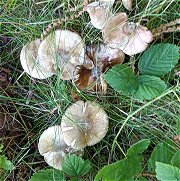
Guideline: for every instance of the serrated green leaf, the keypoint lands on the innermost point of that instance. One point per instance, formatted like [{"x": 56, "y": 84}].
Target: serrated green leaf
[
  {"x": 149, "y": 87},
  {"x": 163, "y": 152},
  {"x": 76, "y": 166},
  {"x": 5, "y": 163},
  {"x": 122, "y": 79},
  {"x": 124, "y": 169},
  {"x": 138, "y": 147},
  {"x": 159, "y": 59},
  {"x": 175, "y": 161},
  {"x": 48, "y": 175},
  {"x": 166, "y": 172}
]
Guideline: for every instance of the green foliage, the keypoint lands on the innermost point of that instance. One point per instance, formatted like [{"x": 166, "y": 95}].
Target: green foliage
[
  {"x": 76, "y": 166},
  {"x": 48, "y": 175},
  {"x": 118, "y": 171},
  {"x": 166, "y": 172},
  {"x": 122, "y": 79},
  {"x": 163, "y": 152},
  {"x": 124, "y": 169},
  {"x": 175, "y": 161},
  {"x": 149, "y": 87},
  {"x": 159, "y": 59},
  {"x": 5, "y": 163},
  {"x": 138, "y": 148}
]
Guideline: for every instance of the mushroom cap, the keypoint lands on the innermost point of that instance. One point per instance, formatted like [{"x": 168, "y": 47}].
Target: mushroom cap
[
  {"x": 104, "y": 57},
  {"x": 84, "y": 124},
  {"x": 31, "y": 62},
  {"x": 107, "y": 3},
  {"x": 127, "y": 4},
  {"x": 99, "y": 15},
  {"x": 52, "y": 146},
  {"x": 131, "y": 38},
  {"x": 65, "y": 49}
]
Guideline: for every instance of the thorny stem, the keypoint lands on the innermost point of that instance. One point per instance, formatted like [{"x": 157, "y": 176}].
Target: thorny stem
[{"x": 147, "y": 175}]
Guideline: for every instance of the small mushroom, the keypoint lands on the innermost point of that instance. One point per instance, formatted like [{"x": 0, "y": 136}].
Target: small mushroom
[
  {"x": 99, "y": 14},
  {"x": 31, "y": 62},
  {"x": 52, "y": 146},
  {"x": 131, "y": 38},
  {"x": 127, "y": 4},
  {"x": 66, "y": 49},
  {"x": 84, "y": 124},
  {"x": 104, "y": 57}
]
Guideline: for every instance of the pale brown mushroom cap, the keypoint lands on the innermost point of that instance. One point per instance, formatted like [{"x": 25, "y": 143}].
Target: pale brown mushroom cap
[
  {"x": 99, "y": 15},
  {"x": 127, "y": 4},
  {"x": 107, "y": 3},
  {"x": 104, "y": 57},
  {"x": 31, "y": 62},
  {"x": 131, "y": 38},
  {"x": 65, "y": 48},
  {"x": 84, "y": 124},
  {"x": 52, "y": 146}
]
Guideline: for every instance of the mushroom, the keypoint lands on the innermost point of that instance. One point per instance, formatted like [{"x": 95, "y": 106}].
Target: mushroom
[
  {"x": 52, "y": 146},
  {"x": 65, "y": 49},
  {"x": 131, "y": 38},
  {"x": 84, "y": 124},
  {"x": 31, "y": 63},
  {"x": 103, "y": 57},
  {"x": 127, "y": 4},
  {"x": 99, "y": 14}
]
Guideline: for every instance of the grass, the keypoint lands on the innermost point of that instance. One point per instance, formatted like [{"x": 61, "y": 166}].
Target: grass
[{"x": 34, "y": 105}]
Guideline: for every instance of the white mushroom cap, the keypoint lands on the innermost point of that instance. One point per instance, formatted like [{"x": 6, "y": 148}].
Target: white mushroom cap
[
  {"x": 127, "y": 4},
  {"x": 107, "y": 3},
  {"x": 65, "y": 49},
  {"x": 31, "y": 63},
  {"x": 84, "y": 124},
  {"x": 99, "y": 14},
  {"x": 52, "y": 146},
  {"x": 131, "y": 38}
]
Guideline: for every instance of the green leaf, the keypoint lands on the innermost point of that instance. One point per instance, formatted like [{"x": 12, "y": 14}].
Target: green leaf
[
  {"x": 48, "y": 175},
  {"x": 122, "y": 79},
  {"x": 159, "y": 59},
  {"x": 124, "y": 169},
  {"x": 5, "y": 163},
  {"x": 163, "y": 152},
  {"x": 138, "y": 147},
  {"x": 76, "y": 166},
  {"x": 166, "y": 172},
  {"x": 149, "y": 87},
  {"x": 175, "y": 161}
]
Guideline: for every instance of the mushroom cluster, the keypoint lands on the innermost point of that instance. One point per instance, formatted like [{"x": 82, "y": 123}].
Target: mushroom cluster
[{"x": 83, "y": 124}]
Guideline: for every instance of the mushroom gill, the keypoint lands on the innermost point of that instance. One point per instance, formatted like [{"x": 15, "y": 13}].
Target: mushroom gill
[{"x": 84, "y": 124}]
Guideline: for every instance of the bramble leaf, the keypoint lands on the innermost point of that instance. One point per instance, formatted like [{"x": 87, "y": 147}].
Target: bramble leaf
[
  {"x": 48, "y": 175},
  {"x": 76, "y": 166},
  {"x": 118, "y": 171},
  {"x": 149, "y": 87},
  {"x": 163, "y": 152},
  {"x": 122, "y": 79},
  {"x": 166, "y": 172},
  {"x": 175, "y": 161},
  {"x": 159, "y": 59},
  {"x": 5, "y": 163},
  {"x": 138, "y": 147}
]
